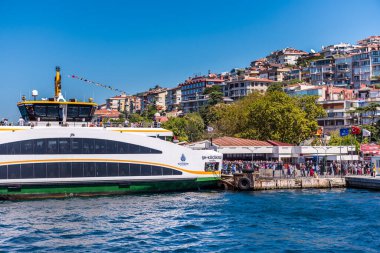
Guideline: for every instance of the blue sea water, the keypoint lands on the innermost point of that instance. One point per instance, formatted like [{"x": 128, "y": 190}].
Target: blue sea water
[{"x": 339, "y": 220}]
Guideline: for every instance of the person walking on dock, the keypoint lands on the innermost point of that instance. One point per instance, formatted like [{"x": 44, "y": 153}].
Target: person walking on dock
[{"x": 373, "y": 170}]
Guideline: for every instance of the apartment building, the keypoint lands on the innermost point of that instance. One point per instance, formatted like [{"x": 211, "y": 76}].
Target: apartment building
[
  {"x": 274, "y": 72},
  {"x": 371, "y": 40},
  {"x": 343, "y": 71},
  {"x": 241, "y": 87},
  {"x": 286, "y": 56},
  {"x": 366, "y": 66},
  {"x": 293, "y": 74},
  {"x": 123, "y": 103},
  {"x": 338, "y": 49},
  {"x": 322, "y": 72},
  {"x": 155, "y": 96},
  {"x": 173, "y": 99},
  {"x": 192, "y": 98}
]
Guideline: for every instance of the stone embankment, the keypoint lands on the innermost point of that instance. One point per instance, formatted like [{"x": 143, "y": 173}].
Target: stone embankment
[{"x": 249, "y": 182}]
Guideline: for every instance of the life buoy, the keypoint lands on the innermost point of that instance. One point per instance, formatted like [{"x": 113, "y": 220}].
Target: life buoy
[{"x": 244, "y": 183}]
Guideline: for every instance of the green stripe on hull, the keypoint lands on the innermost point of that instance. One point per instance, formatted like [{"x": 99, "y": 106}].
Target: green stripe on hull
[{"x": 72, "y": 190}]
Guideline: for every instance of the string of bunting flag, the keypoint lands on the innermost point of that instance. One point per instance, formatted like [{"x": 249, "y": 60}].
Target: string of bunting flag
[{"x": 96, "y": 84}]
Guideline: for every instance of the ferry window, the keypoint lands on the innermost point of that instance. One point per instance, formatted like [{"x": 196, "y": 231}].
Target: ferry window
[
  {"x": 112, "y": 169},
  {"x": 40, "y": 111},
  {"x": 112, "y": 147},
  {"x": 65, "y": 170},
  {"x": 64, "y": 146},
  {"x": 156, "y": 171},
  {"x": 72, "y": 111},
  {"x": 73, "y": 146},
  {"x": 89, "y": 169},
  {"x": 40, "y": 170},
  {"x": 14, "y": 148},
  {"x": 27, "y": 147},
  {"x": 52, "y": 111},
  {"x": 14, "y": 171},
  {"x": 211, "y": 166},
  {"x": 23, "y": 112},
  {"x": 177, "y": 172},
  {"x": 146, "y": 170},
  {"x": 101, "y": 169},
  {"x": 88, "y": 146},
  {"x": 155, "y": 151},
  {"x": 76, "y": 146},
  {"x": 3, "y": 149},
  {"x": 84, "y": 111},
  {"x": 52, "y": 170},
  {"x": 134, "y": 169},
  {"x": 3, "y": 172},
  {"x": 100, "y": 146},
  {"x": 167, "y": 171},
  {"x": 134, "y": 149},
  {"x": 52, "y": 146},
  {"x": 40, "y": 146},
  {"x": 123, "y": 148},
  {"x": 144, "y": 150},
  {"x": 27, "y": 170},
  {"x": 77, "y": 169},
  {"x": 124, "y": 169}
]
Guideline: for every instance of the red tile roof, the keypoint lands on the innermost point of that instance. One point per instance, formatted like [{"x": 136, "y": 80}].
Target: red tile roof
[
  {"x": 232, "y": 141},
  {"x": 107, "y": 113},
  {"x": 258, "y": 79}
]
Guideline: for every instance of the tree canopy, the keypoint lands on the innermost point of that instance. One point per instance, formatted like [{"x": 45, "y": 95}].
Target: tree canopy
[
  {"x": 188, "y": 128},
  {"x": 271, "y": 116}
]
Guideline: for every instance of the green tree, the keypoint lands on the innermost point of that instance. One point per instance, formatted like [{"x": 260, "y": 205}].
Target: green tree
[
  {"x": 187, "y": 128},
  {"x": 270, "y": 116},
  {"x": 178, "y": 126},
  {"x": 135, "y": 118},
  {"x": 337, "y": 140},
  {"x": 275, "y": 87},
  {"x": 372, "y": 109},
  {"x": 214, "y": 93},
  {"x": 149, "y": 112},
  {"x": 194, "y": 126}
]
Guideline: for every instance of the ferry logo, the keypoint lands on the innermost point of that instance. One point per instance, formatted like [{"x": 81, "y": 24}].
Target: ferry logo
[{"x": 183, "y": 161}]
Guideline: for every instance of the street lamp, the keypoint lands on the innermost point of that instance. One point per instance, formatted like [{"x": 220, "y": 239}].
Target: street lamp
[
  {"x": 326, "y": 148},
  {"x": 317, "y": 154}
]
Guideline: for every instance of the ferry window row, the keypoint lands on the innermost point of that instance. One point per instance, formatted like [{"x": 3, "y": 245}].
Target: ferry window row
[
  {"x": 54, "y": 112},
  {"x": 73, "y": 146},
  {"x": 82, "y": 169}
]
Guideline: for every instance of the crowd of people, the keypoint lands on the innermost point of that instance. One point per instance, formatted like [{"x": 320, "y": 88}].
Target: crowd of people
[{"x": 307, "y": 169}]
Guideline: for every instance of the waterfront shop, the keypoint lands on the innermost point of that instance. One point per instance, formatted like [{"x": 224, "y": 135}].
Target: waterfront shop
[{"x": 253, "y": 150}]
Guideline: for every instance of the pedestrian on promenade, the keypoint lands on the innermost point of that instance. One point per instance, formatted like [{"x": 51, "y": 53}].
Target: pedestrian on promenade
[{"x": 374, "y": 170}]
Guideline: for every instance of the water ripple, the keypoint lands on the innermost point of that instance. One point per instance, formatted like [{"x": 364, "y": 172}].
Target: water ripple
[{"x": 269, "y": 221}]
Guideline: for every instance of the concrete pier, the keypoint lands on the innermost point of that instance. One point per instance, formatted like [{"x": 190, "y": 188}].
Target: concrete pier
[
  {"x": 249, "y": 182},
  {"x": 363, "y": 182}
]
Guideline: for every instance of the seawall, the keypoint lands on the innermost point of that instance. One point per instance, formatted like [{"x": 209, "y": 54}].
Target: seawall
[{"x": 249, "y": 182}]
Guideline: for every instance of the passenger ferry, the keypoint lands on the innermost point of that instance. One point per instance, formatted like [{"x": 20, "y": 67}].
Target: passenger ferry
[{"x": 57, "y": 153}]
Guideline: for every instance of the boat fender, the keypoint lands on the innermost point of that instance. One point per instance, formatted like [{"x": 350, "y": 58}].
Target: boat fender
[{"x": 244, "y": 183}]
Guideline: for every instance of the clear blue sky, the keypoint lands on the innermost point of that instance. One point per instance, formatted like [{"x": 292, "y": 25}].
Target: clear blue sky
[{"x": 134, "y": 45}]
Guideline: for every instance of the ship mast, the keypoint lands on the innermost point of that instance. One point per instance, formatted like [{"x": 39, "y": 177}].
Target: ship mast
[{"x": 57, "y": 83}]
